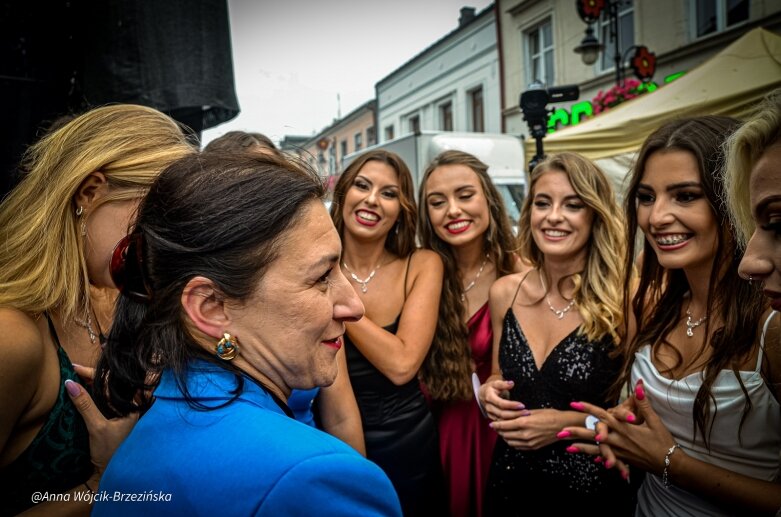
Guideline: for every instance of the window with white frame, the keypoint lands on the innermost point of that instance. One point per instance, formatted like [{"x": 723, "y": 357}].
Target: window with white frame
[
  {"x": 389, "y": 133},
  {"x": 476, "y": 110},
  {"x": 539, "y": 53},
  {"x": 358, "y": 141},
  {"x": 446, "y": 116},
  {"x": 413, "y": 124},
  {"x": 626, "y": 35},
  {"x": 711, "y": 16}
]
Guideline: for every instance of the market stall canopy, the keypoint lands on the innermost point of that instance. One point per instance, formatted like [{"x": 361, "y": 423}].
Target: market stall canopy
[{"x": 730, "y": 83}]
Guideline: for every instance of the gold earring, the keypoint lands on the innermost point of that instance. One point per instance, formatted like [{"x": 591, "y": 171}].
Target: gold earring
[
  {"x": 79, "y": 211},
  {"x": 227, "y": 347}
]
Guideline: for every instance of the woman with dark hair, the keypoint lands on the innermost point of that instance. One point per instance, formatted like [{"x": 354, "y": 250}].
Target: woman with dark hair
[
  {"x": 556, "y": 338},
  {"x": 463, "y": 219},
  {"x": 232, "y": 296},
  {"x": 332, "y": 408},
  {"x": 705, "y": 416},
  {"x": 374, "y": 213}
]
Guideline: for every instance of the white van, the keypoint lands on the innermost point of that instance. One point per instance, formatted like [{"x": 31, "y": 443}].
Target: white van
[{"x": 502, "y": 153}]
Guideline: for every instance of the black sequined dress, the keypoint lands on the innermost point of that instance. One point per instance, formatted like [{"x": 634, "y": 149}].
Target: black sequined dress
[{"x": 551, "y": 478}]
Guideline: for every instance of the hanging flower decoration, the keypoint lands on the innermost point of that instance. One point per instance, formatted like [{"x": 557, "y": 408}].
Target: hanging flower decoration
[
  {"x": 589, "y": 10},
  {"x": 644, "y": 63},
  {"x": 618, "y": 94}
]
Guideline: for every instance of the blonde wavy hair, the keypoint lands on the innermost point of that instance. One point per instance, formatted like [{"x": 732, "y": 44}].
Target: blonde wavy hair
[
  {"x": 42, "y": 259},
  {"x": 599, "y": 287},
  {"x": 742, "y": 151}
]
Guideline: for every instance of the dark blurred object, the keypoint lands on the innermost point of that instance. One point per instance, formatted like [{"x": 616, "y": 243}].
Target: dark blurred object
[{"x": 62, "y": 57}]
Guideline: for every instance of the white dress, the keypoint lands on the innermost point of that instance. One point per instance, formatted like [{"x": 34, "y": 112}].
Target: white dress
[{"x": 754, "y": 452}]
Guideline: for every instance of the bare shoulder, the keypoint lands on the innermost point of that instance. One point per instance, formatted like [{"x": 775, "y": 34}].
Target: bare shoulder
[
  {"x": 503, "y": 289},
  {"x": 21, "y": 347},
  {"x": 425, "y": 260}
]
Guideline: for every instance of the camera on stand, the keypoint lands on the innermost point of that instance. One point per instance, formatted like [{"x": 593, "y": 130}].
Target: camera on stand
[{"x": 534, "y": 105}]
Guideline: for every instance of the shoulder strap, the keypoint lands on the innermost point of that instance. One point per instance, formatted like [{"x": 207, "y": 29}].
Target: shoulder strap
[
  {"x": 762, "y": 339},
  {"x": 53, "y": 331},
  {"x": 518, "y": 289},
  {"x": 406, "y": 274}
]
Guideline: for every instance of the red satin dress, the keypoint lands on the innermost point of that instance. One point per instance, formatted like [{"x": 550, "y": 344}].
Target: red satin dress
[{"x": 466, "y": 443}]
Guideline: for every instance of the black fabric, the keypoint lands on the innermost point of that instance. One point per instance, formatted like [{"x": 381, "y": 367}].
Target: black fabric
[
  {"x": 575, "y": 370},
  {"x": 400, "y": 434}
]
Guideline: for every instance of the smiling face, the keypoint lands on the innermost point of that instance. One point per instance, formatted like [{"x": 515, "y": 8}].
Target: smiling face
[
  {"x": 674, "y": 212},
  {"x": 290, "y": 328},
  {"x": 762, "y": 259},
  {"x": 371, "y": 203},
  {"x": 560, "y": 220},
  {"x": 456, "y": 204}
]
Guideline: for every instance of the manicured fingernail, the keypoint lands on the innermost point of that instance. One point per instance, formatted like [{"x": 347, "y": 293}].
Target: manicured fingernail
[
  {"x": 572, "y": 449},
  {"x": 76, "y": 365},
  {"x": 564, "y": 434},
  {"x": 631, "y": 418},
  {"x": 609, "y": 464},
  {"x": 598, "y": 438},
  {"x": 491, "y": 425},
  {"x": 577, "y": 405},
  {"x": 526, "y": 413},
  {"x": 510, "y": 382},
  {"x": 625, "y": 475},
  {"x": 639, "y": 392},
  {"x": 520, "y": 406},
  {"x": 639, "y": 381},
  {"x": 598, "y": 459},
  {"x": 72, "y": 387}
]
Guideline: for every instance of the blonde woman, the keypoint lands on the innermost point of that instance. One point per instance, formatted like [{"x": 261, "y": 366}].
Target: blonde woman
[
  {"x": 555, "y": 341},
  {"x": 58, "y": 228},
  {"x": 374, "y": 213},
  {"x": 463, "y": 219}
]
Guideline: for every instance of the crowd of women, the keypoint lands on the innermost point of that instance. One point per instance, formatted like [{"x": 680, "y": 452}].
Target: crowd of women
[{"x": 191, "y": 331}]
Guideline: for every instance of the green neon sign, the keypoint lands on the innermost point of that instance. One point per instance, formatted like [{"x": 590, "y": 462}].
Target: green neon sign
[{"x": 577, "y": 113}]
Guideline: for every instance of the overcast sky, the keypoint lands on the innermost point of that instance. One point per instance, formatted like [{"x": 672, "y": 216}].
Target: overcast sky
[{"x": 292, "y": 57}]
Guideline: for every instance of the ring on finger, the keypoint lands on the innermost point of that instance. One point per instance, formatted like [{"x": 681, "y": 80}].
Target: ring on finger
[{"x": 591, "y": 422}]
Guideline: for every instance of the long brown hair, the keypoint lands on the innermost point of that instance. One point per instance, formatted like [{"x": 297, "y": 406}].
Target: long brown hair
[
  {"x": 400, "y": 240},
  {"x": 448, "y": 364},
  {"x": 659, "y": 298}
]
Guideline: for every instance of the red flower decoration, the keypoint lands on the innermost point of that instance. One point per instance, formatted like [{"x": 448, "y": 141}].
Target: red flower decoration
[
  {"x": 589, "y": 10},
  {"x": 644, "y": 64}
]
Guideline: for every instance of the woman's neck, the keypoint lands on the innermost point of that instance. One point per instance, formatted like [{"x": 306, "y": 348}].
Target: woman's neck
[
  {"x": 470, "y": 256},
  {"x": 361, "y": 255},
  {"x": 699, "y": 285},
  {"x": 553, "y": 270}
]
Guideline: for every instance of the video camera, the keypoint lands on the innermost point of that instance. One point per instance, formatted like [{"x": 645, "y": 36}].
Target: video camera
[{"x": 534, "y": 105}]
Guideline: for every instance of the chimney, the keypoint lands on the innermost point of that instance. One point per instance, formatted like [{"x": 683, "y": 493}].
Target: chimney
[{"x": 467, "y": 15}]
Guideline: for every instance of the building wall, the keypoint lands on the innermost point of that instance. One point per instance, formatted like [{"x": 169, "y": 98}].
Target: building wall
[
  {"x": 446, "y": 72},
  {"x": 666, "y": 27},
  {"x": 324, "y": 151}
]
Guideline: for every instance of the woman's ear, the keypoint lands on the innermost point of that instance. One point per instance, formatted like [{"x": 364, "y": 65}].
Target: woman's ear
[
  {"x": 204, "y": 308},
  {"x": 93, "y": 188}
]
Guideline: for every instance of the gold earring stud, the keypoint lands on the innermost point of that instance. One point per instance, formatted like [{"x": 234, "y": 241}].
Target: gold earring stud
[{"x": 228, "y": 347}]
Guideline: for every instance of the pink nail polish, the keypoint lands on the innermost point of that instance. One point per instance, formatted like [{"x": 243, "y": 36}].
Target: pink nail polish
[
  {"x": 609, "y": 464},
  {"x": 577, "y": 406},
  {"x": 631, "y": 418},
  {"x": 491, "y": 425},
  {"x": 598, "y": 438},
  {"x": 598, "y": 459},
  {"x": 625, "y": 475},
  {"x": 572, "y": 449},
  {"x": 520, "y": 406},
  {"x": 73, "y": 388},
  {"x": 526, "y": 413},
  {"x": 639, "y": 392},
  {"x": 564, "y": 434}
]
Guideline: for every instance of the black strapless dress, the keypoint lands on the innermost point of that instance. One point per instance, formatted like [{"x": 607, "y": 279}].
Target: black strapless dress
[{"x": 400, "y": 433}]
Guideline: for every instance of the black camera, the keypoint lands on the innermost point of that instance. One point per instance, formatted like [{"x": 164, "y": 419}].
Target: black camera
[{"x": 534, "y": 105}]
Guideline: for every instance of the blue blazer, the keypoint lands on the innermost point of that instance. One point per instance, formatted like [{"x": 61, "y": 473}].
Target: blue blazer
[{"x": 246, "y": 458}]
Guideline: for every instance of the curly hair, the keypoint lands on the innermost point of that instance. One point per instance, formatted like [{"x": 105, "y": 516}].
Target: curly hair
[
  {"x": 659, "y": 294},
  {"x": 401, "y": 241},
  {"x": 447, "y": 366},
  {"x": 598, "y": 286}
]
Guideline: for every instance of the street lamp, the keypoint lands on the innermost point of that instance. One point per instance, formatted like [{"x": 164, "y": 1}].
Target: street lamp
[{"x": 643, "y": 61}]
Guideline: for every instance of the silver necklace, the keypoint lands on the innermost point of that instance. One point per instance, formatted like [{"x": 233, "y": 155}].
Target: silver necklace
[
  {"x": 560, "y": 313},
  {"x": 88, "y": 325},
  {"x": 362, "y": 281},
  {"x": 691, "y": 325},
  {"x": 473, "y": 282}
]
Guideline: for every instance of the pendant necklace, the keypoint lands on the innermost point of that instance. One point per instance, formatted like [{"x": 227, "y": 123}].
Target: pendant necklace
[
  {"x": 560, "y": 313},
  {"x": 691, "y": 325},
  {"x": 473, "y": 282},
  {"x": 362, "y": 281}
]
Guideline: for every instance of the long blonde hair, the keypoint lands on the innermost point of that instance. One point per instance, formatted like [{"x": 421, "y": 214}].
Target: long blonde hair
[
  {"x": 42, "y": 260},
  {"x": 599, "y": 287},
  {"x": 742, "y": 151}
]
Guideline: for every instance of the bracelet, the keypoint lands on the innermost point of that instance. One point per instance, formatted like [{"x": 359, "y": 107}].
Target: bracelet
[{"x": 665, "y": 472}]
